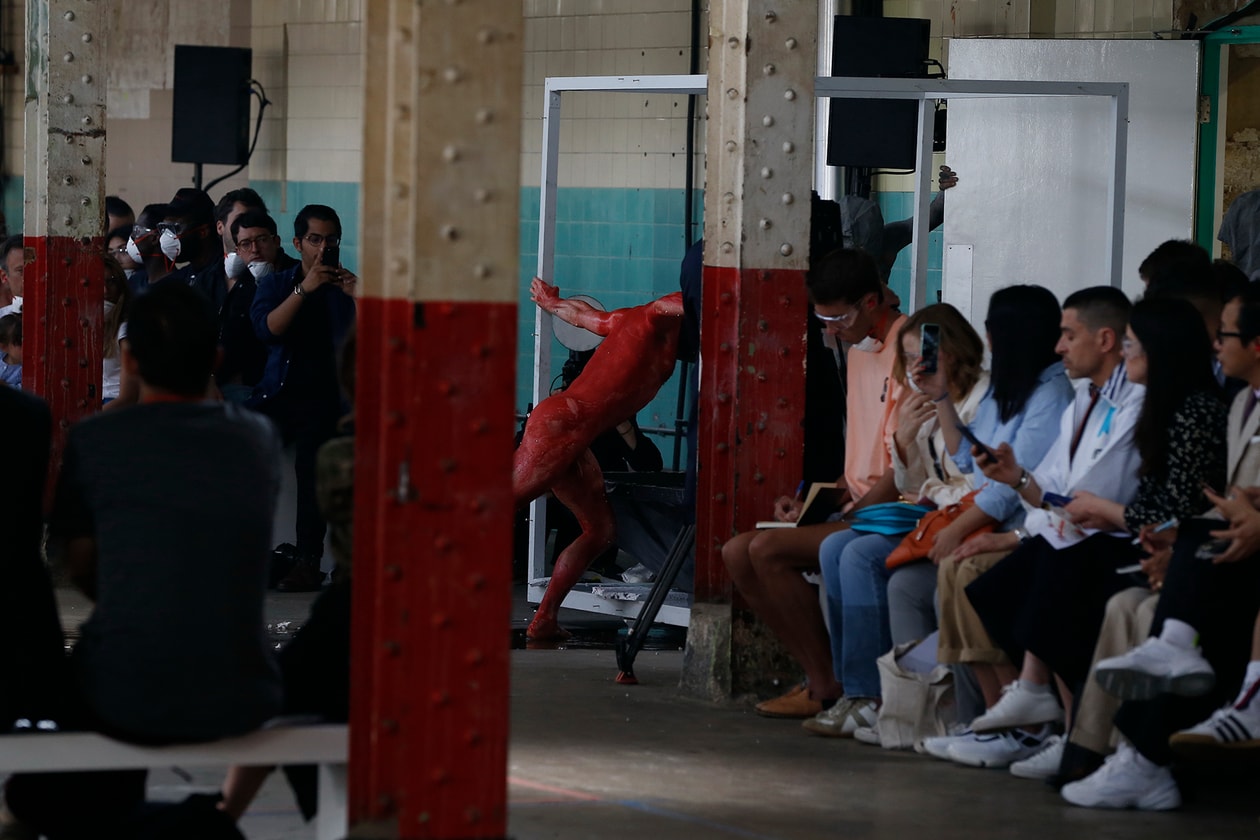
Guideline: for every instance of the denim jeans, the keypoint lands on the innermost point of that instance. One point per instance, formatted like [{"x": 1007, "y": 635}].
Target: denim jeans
[{"x": 856, "y": 579}]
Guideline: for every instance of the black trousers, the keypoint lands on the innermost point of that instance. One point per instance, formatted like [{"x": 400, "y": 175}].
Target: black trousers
[
  {"x": 307, "y": 424},
  {"x": 1220, "y": 600},
  {"x": 1050, "y": 602}
]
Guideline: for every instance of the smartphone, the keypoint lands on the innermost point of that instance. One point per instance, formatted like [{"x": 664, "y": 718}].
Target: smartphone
[
  {"x": 1210, "y": 549},
  {"x": 929, "y": 346},
  {"x": 1056, "y": 500},
  {"x": 966, "y": 432},
  {"x": 332, "y": 256}
]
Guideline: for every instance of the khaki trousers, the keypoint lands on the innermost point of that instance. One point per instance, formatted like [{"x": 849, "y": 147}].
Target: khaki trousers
[
  {"x": 1126, "y": 624},
  {"x": 963, "y": 637}
]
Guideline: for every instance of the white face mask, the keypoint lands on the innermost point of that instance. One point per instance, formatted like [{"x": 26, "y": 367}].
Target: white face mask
[
  {"x": 129, "y": 272},
  {"x": 109, "y": 306},
  {"x": 233, "y": 265},
  {"x": 870, "y": 344},
  {"x": 260, "y": 269},
  {"x": 170, "y": 245},
  {"x": 133, "y": 251},
  {"x": 914, "y": 386}
]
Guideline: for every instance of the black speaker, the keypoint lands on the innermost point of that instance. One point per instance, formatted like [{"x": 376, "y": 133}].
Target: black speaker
[
  {"x": 880, "y": 133},
  {"x": 211, "y": 107}
]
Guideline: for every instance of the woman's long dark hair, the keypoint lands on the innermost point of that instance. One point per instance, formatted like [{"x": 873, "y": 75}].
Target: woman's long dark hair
[
  {"x": 1023, "y": 327},
  {"x": 1178, "y": 364}
]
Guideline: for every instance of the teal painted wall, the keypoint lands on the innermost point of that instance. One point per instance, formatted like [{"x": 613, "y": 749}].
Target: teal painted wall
[
  {"x": 897, "y": 206},
  {"x": 622, "y": 247},
  {"x": 292, "y": 196},
  {"x": 11, "y": 202}
]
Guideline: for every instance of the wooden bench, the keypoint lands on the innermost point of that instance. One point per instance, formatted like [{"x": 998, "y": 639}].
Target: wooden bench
[{"x": 326, "y": 745}]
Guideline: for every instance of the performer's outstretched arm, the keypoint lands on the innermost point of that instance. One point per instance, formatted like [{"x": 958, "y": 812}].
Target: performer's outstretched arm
[{"x": 576, "y": 312}]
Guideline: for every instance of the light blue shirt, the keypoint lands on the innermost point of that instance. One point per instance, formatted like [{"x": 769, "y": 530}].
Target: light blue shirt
[
  {"x": 10, "y": 374},
  {"x": 1031, "y": 432}
]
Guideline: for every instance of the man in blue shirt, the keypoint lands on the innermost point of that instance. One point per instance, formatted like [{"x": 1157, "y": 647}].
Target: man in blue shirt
[{"x": 302, "y": 315}]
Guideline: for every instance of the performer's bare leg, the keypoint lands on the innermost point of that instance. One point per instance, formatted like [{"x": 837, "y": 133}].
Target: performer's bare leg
[
  {"x": 581, "y": 490},
  {"x": 766, "y": 567}
]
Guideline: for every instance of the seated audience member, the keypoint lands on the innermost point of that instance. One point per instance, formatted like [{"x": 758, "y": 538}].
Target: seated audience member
[
  {"x": 1050, "y": 603},
  {"x": 303, "y": 315},
  {"x": 116, "y": 248},
  {"x": 118, "y": 213},
  {"x": 12, "y": 265},
  {"x": 175, "y": 649},
  {"x": 1206, "y": 600},
  {"x": 1177, "y": 262},
  {"x": 11, "y": 350},
  {"x": 117, "y": 301},
  {"x": 1093, "y": 450},
  {"x": 144, "y": 248},
  {"x": 766, "y": 566},
  {"x": 854, "y": 568},
  {"x": 1240, "y": 230}
]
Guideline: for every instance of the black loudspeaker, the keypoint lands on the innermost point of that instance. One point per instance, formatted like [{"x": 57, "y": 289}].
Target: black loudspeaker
[
  {"x": 211, "y": 107},
  {"x": 880, "y": 133}
]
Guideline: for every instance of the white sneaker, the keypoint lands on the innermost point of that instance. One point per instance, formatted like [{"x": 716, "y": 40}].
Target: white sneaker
[
  {"x": 996, "y": 749},
  {"x": 1126, "y": 780},
  {"x": 1042, "y": 764},
  {"x": 843, "y": 719},
  {"x": 1229, "y": 732},
  {"x": 1155, "y": 667},
  {"x": 937, "y": 746},
  {"x": 868, "y": 735},
  {"x": 1019, "y": 706}
]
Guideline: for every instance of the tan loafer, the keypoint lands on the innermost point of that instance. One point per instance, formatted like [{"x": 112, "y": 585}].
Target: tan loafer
[{"x": 795, "y": 704}]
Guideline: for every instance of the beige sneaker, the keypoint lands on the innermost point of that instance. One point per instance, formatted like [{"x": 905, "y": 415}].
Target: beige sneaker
[{"x": 843, "y": 719}]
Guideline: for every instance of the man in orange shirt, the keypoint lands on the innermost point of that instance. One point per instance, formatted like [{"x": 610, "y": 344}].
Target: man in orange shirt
[{"x": 766, "y": 566}]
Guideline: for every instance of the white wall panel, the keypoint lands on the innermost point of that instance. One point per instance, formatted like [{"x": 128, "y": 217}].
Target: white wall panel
[{"x": 1032, "y": 195}]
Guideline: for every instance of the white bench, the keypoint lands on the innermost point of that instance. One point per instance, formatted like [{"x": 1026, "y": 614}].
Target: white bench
[{"x": 326, "y": 745}]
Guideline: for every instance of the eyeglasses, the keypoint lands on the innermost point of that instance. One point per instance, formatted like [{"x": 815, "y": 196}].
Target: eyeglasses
[
  {"x": 843, "y": 320},
  {"x": 316, "y": 240},
  {"x": 256, "y": 242},
  {"x": 1221, "y": 335}
]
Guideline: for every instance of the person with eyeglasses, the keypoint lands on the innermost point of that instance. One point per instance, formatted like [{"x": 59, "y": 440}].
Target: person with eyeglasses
[
  {"x": 143, "y": 247},
  {"x": 187, "y": 239},
  {"x": 846, "y": 289},
  {"x": 303, "y": 315}
]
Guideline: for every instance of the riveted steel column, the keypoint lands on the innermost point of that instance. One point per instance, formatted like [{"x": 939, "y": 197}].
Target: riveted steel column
[
  {"x": 64, "y": 187},
  {"x": 762, "y": 57},
  {"x": 436, "y": 387}
]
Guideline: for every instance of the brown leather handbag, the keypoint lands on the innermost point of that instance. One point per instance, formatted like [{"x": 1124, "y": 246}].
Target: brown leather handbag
[{"x": 916, "y": 544}]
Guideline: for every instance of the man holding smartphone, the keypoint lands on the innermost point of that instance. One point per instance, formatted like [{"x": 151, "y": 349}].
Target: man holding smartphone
[{"x": 303, "y": 315}]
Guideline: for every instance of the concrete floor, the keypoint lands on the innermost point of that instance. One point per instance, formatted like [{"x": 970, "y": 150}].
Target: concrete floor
[{"x": 593, "y": 759}]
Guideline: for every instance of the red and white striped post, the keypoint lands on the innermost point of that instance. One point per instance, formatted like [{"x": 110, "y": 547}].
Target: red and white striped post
[
  {"x": 64, "y": 189},
  {"x": 752, "y": 391},
  {"x": 435, "y": 417}
]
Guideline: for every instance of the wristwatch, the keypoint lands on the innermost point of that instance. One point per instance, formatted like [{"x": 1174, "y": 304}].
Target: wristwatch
[
  {"x": 1024, "y": 478},
  {"x": 1022, "y": 533},
  {"x": 299, "y": 291}
]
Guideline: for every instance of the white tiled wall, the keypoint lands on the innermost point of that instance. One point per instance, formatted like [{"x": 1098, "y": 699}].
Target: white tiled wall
[
  {"x": 308, "y": 56},
  {"x": 610, "y": 140}
]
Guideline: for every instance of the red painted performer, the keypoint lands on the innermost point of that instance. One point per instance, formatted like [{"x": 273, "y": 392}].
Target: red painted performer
[{"x": 636, "y": 357}]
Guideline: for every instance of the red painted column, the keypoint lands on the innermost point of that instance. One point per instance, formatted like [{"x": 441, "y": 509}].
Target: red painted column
[
  {"x": 759, "y": 144},
  {"x": 63, "y": 300},
  {"x": 435, "y": 419}
]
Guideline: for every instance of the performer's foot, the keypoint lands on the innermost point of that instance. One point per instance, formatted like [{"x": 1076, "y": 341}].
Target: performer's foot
[{"x": 546, "y": 629}]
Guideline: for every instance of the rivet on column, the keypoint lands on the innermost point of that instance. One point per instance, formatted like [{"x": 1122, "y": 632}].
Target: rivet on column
[
  {"x": 785, "y": 249},
  {"x": 788, "y": 198},
  {"x": 789, "y": 95}
]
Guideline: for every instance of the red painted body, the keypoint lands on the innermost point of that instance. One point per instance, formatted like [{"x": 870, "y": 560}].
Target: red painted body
[
  {"x": 432, "y": 568},
  {"x": 637, "y": 356},
  {"x": 62, "y": 313},
  {"x": 752, "y": 407}
]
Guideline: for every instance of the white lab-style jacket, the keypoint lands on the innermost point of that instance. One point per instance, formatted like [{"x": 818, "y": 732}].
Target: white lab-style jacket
[{"x": 1106, "y": 462}]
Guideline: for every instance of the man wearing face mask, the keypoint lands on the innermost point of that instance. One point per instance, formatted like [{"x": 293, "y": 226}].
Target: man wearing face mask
[
  {"x": 303, "y": 315},
  {"x": 188, "y": 240},
  {"x": 230, "y": 206},
  {"x": 244, "y": 356},
  {"x": 143, "y": 246}
]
